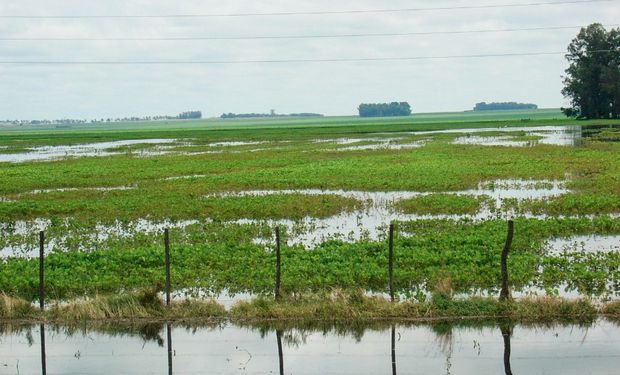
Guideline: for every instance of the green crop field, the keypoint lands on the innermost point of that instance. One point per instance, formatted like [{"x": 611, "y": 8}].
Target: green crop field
[{"x": 333, "y": 185}]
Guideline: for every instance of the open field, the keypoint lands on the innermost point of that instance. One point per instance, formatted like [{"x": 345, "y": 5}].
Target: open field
[{"x": 448, "y": 181}]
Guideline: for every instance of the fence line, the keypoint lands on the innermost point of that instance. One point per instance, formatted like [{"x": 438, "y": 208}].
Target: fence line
[{"x": 504, "y": 293}]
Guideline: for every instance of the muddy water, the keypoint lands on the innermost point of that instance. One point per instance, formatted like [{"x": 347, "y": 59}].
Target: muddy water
[{"x": 384, "y": 348}]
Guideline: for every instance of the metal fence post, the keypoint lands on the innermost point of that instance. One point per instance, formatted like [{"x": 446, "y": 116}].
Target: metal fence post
[
  {"x": 167, "y": 261},
  {"x": 41, "y": 270},
  {"x": 391, "y": 261},
  {"x": 277, "y": 287},
  {"x": 505, "y": 293}
]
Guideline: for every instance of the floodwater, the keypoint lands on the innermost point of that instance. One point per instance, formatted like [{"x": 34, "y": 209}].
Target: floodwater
[
  {"x": 61, "y": 190},
  {"x": 235, "y": 143},
  {"x": 502, "y": 140},
  {"x": 383, "y": 146},
  {"x": 384, "y": 348},
  {"x": 552, "y": 135},
  {"x": 370, "y": 222},
  {"x": 44, "y": 153},
  {"x": 588, "y": 243}
]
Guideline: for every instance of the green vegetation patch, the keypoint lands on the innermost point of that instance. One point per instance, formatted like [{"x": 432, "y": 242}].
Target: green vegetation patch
[
  {"x": 173, "y": 204},
  {"x": 435, "y": 204},
  {"x": 429, "y": 252}
]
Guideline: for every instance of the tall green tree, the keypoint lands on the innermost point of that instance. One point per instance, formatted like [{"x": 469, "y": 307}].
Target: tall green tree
[{"x": 592, "y": 81}]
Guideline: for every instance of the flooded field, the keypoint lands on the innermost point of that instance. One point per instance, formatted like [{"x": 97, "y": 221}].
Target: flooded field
[
  {"x": 332, "y": 195},
  {"x": 46, "y": 153},
  {"x": 370, "y": 221},
  {"x": 383, "y": 348},
  {"x": 550, "y": 135}
]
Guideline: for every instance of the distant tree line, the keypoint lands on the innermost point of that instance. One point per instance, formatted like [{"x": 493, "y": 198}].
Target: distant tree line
[
  {"x": 190, "y": 115},
  {"x": 181, "y": 116},
  {"x": 592, "y": 81},
  {"x": 495, "y": 106},
  {"x": 384, "y": 109},
  {"x": 272, "y": 114}
]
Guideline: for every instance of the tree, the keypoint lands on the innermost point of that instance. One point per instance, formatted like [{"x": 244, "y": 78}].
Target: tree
[
  {"x": 384, "y": 109},
  {"x": 483, "y": 106},
  {"x": 190, "y": 115},
  {"x": 592, "y": 81}
]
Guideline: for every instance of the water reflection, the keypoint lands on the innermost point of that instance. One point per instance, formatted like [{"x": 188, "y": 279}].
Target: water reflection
[
  {"x": 169, "y": 346},
  {"x": 280, "y": 354},
  {"x": 393, "y": 349},
  {"x": 506, "y": 330},
  {"x": 43, "y": 355},
  {"x": 316, "y": 347}
]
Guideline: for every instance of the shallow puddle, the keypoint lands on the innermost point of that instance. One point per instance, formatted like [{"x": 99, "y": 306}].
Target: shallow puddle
[
  {"x": 61, "y": 190},
  {"x": 186, "y": 177},
  {"x": 382, "y": 348},
  {"x": 235, "y": 143},
  {"x": 591, "y": 243},
  {"x": 383, "y": 146},
  {"x": 46, "y": 153},
  {"x": 490, "y": 141}
]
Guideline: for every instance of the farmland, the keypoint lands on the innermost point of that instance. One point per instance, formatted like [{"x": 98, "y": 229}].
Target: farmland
[{"x": 449, "y": 181}]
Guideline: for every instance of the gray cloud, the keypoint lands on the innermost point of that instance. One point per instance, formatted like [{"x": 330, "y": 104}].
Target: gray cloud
[{"x": 332, "y": 88}]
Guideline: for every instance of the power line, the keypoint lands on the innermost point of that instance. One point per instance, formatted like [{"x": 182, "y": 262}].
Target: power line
[
  {"x": 308, "y": 13},
  {"x": 313, "y": 36},
  {"x": 279, "y": 61}
]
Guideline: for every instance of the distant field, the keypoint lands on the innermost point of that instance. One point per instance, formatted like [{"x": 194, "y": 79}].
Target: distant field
[
  {"x": 274, "y": 129},
  {"x": 216, "y": 123}
]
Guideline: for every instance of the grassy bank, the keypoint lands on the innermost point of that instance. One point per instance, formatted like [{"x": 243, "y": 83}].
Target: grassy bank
[{"x": 335, "y": 306}]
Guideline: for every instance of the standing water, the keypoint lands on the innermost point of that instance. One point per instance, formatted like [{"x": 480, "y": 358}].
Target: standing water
[{"x": 383, "y": 348}]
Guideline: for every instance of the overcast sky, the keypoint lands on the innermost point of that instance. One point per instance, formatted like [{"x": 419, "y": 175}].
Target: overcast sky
[{"x": 332, "y": 88}]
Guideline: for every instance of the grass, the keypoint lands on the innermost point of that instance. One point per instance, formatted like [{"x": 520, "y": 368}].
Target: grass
[
  {"x": 612, "y": 310},
  {"x": 141, "y": 305},
  {"x": 172, "y": 204},
  {"x": 15, "y": 308},
  {"x": 356, "y": 306},
  {"x": 434, "y": 204},
  {"x": 337, "y": 305}
]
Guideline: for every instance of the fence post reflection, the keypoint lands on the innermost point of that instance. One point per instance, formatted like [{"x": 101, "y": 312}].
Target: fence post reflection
[
  {"x": 393, "y": 350},
  {"x": 280, "y": 355},
  {"x": 169, "y": 344},
  {"x": 43, "y": 362},
  {"x": 506, "y": 333}
]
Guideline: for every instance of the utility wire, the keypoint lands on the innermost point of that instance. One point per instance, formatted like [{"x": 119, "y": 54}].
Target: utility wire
[
  {"x": 314, "y": 36},
  {"x": 309, "y": 13},
  {"x": 279, "y": 61}
]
